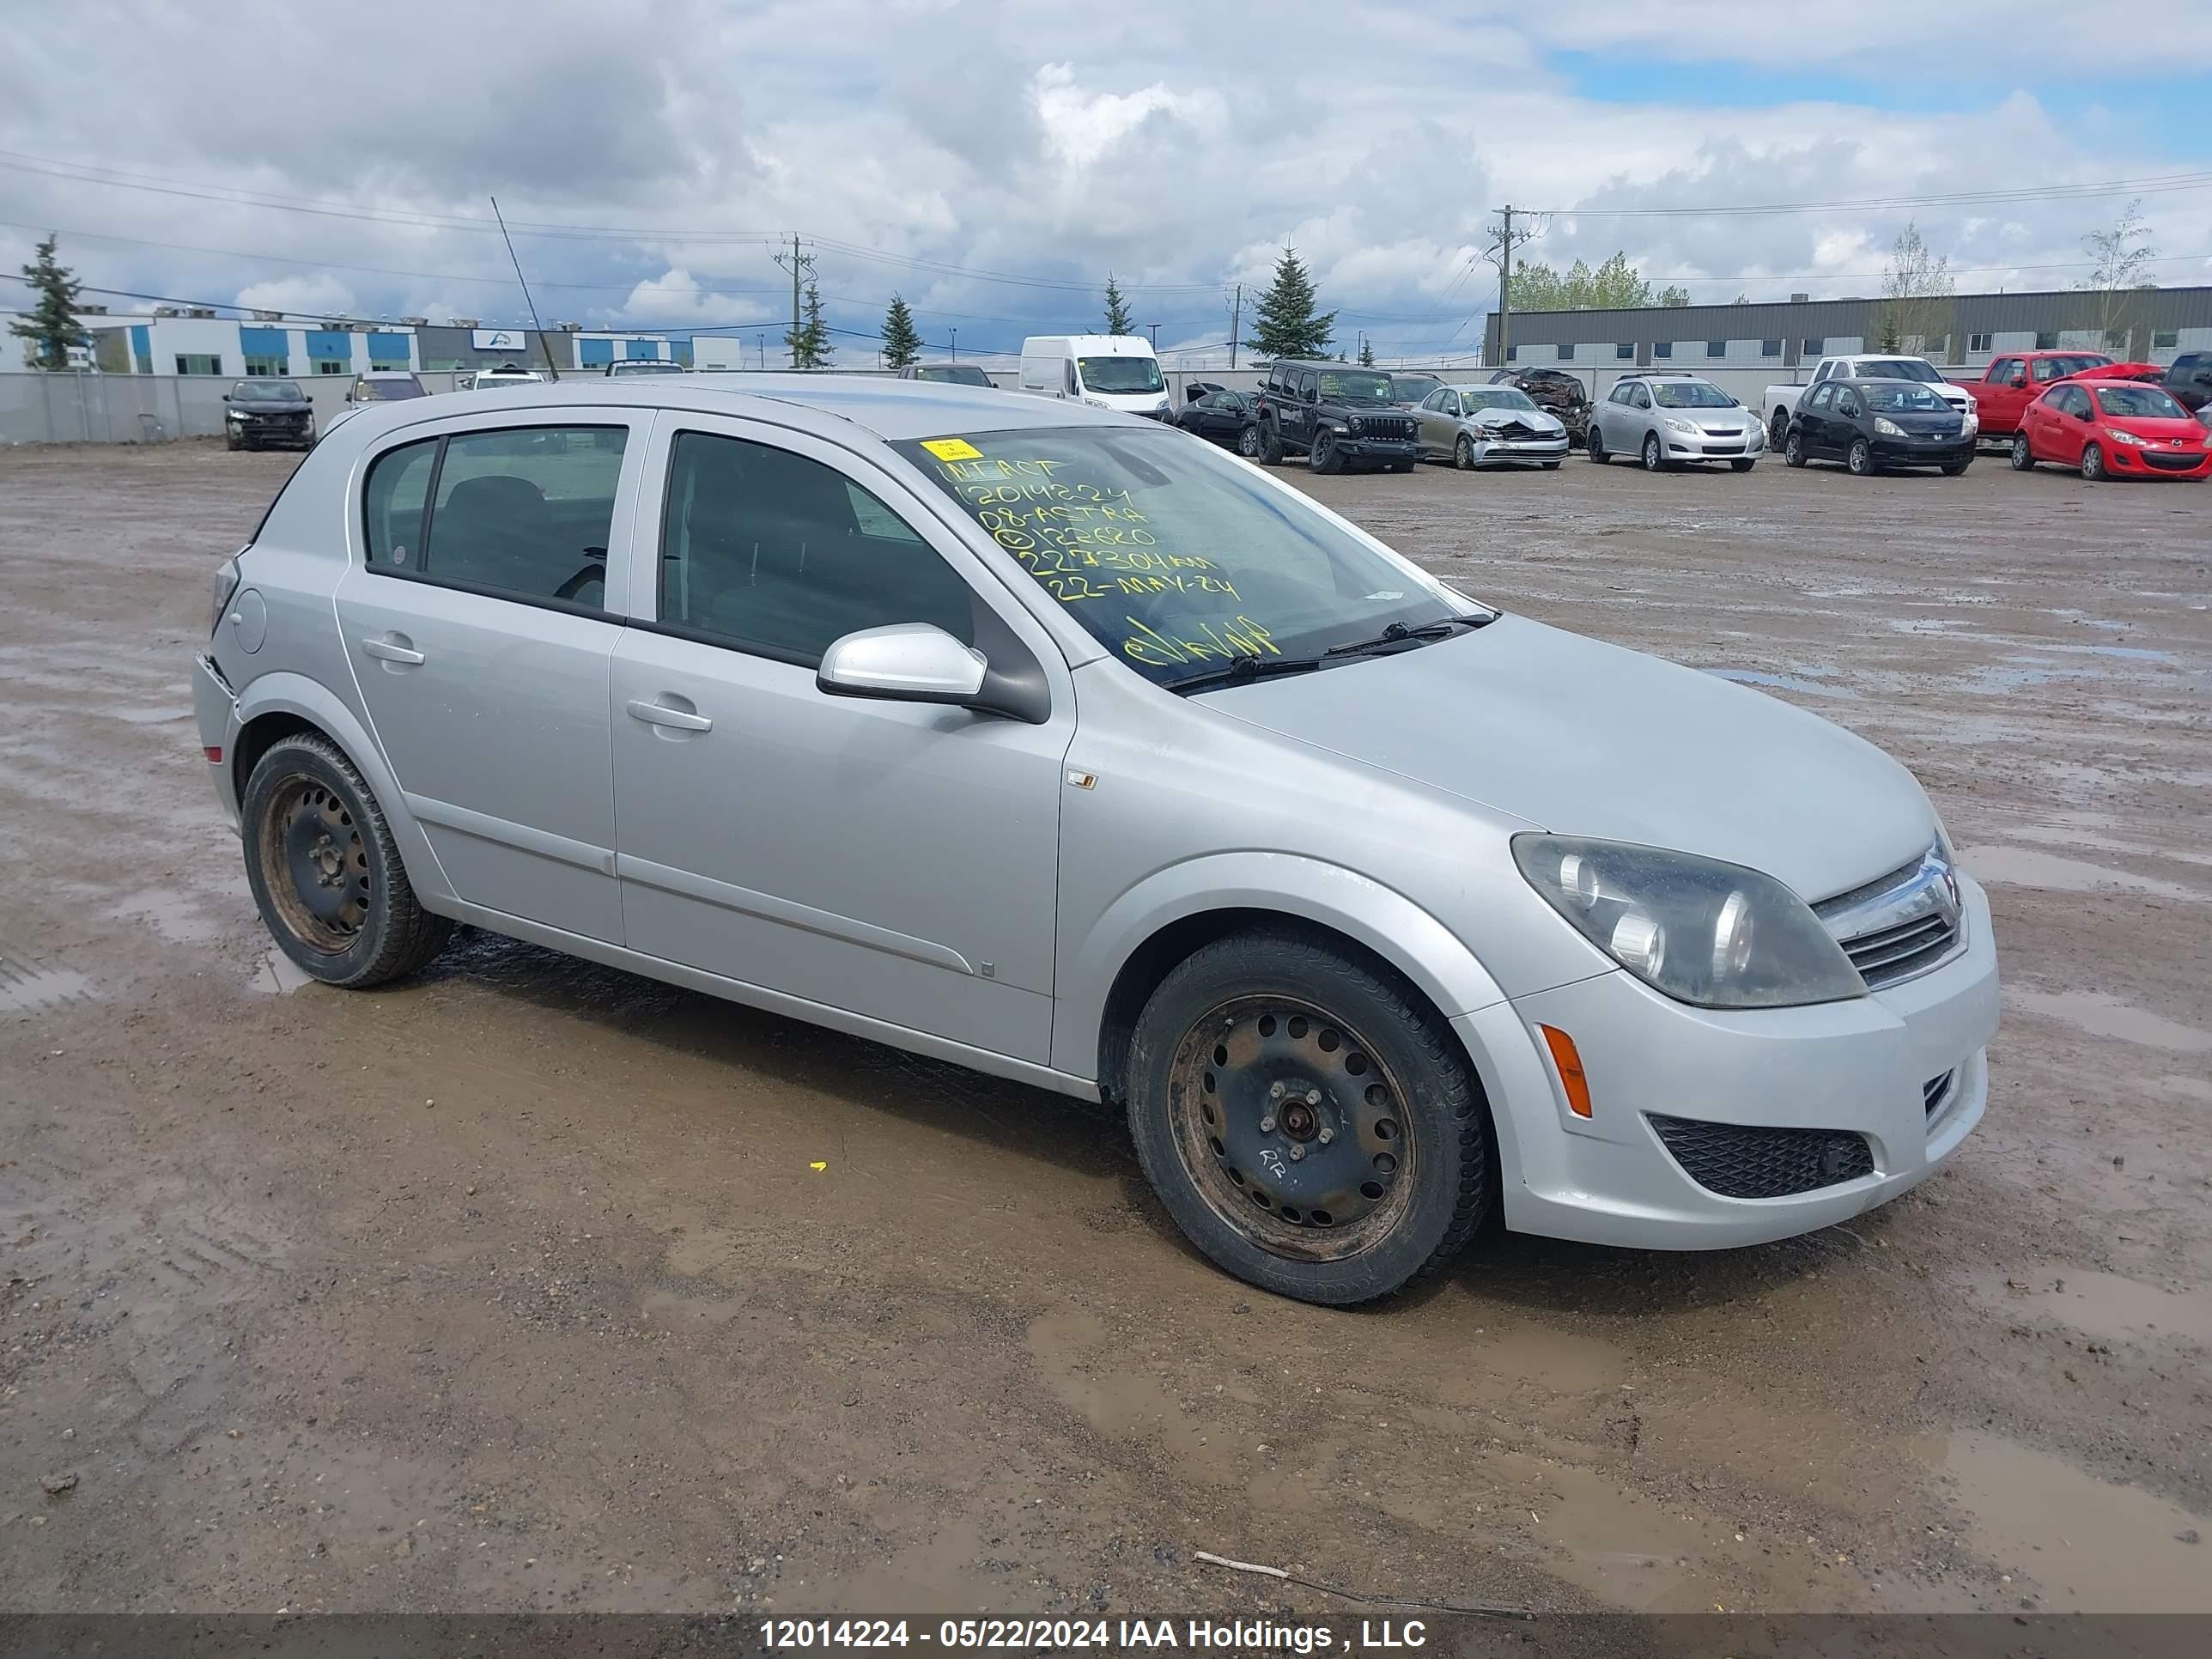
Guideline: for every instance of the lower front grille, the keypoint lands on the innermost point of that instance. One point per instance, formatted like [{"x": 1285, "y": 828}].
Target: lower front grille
[
  {"x": 1738, "y": 1161},
  {"x": 1936, "y": 1093},
  {"x": 2172, "y": 462}
]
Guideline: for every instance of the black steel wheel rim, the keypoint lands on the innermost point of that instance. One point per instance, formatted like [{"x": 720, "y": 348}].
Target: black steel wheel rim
[
  {"x": 314, "y": 864},
  {"x": 1292, "y": 1128}
]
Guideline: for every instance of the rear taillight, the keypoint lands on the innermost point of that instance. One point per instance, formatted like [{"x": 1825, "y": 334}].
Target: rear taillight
[{"x": 226, "y": 585}]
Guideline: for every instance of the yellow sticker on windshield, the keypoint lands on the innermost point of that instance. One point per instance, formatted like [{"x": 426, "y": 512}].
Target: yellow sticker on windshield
[{"x": 952, "y": 449}]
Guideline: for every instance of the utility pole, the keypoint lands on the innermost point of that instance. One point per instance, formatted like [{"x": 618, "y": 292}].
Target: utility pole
[
  {"x": 1155, "y": 329},
  {"x": 801, "y": 263},
  {"x": 761, "y": 340},
  {"x": 1236, "y": 316},
  {"x": 1506, "y": 286},
  {"x": 956, "y": 345}
]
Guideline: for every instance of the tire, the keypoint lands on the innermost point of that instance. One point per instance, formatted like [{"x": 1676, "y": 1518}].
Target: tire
[
  {"x": 1955, "y": 469},
  {"x": 1777, "y": 428},
  {"x": 1655, "y": 457},
  {"x": 1407, "y": 1161},
  {"x": 1401, "y": 466},
  {"x": 1741, "y": 464},
  {"x": 1324, "y": 456},
  {"x": 2023, "y": 458},
  {"x": 1271, "y": 447},
  {"x": 307, "y": 814},
  {"x": 1463, "y": 454},
  {"x": 1249, "y": 444},
  {"x": 1793, "y": 449},
  {"x": 1594, "y": 442},
  {"x": 1861, "y": 458},
  {"x": 2093, "y": 465},
  {"x": 230, "y": 441},
  {"x": 1551, "y": 466}
]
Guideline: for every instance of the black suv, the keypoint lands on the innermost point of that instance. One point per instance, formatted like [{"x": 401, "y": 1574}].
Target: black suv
[
  {"x": 2190, "y": 379},
  {"x": 1555, "y": 391},
  {"x": 259, "y": 412},
  {"x": 1334, "y": 414}
]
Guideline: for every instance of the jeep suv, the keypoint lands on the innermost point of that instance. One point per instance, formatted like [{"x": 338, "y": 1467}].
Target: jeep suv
[{"x": 1334, "y": 415}]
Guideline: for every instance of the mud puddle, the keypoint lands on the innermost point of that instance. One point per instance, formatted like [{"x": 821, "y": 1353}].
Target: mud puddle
[
  {"x": 2103, "y": 1016},
  {"x": 2099, "y": 1304}
]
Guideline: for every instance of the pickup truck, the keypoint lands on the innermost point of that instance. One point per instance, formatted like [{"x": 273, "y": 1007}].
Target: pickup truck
[
  {"x": 1780, "y": 402},
  {"x": 2015, "y": 380}
]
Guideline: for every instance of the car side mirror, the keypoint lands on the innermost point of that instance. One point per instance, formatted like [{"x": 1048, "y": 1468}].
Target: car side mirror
[{"x": 906, "y": 662}]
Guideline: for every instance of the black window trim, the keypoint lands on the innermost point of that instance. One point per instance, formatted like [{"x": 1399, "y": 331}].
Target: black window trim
[{"x": 544, "y": 602}]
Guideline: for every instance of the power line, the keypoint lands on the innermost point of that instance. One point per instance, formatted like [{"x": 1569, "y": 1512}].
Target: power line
[{"x": 2160, "y": 185}]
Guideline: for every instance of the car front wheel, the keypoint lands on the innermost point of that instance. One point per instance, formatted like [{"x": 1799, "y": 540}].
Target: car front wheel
[
  {"x": 1861, "y": 458},
  {"x": 1324, "y": 456},
  {"x": 325, "y": 872},
  {"x": 1742, "y": 463},
  {"x": 1793, "y": 449},
  {"x": 1309, "y": 1123},
  {"x": 1463, "y": 454},
  {"x": 1654, "y": 456},
  {"x": 2092, "y": 463}
]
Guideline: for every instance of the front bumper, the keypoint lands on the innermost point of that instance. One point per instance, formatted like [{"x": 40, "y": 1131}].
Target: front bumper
[
  {"x": 1492, "y": 451},
  {"x": 2129, "y": 461},
  {"x": 1707, "y": 448},
  {"x": 280, "y": 430},
  {"x": 215, "y": 710},
  {"x": 1354, "y": 447},
  {"x": 1914, "y": 452},
  {"x": 1862, "y": 1066}
]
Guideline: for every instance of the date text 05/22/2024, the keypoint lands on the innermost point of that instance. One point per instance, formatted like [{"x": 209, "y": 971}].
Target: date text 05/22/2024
[{"x": 1070, "y": 1635}]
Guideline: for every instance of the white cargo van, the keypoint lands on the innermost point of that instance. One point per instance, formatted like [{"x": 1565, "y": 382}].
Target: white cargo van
[{"x": 1111, "y": 371}]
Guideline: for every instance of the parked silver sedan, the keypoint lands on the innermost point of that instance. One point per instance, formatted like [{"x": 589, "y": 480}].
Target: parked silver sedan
[
  {"x": 1039, "y": 739},
  {"x": 1473, "y": 426},
  {"x": 1665, "y": 419}
]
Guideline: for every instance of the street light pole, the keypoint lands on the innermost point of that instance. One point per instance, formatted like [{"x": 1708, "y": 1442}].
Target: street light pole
[{"x": 956, "y": 345}]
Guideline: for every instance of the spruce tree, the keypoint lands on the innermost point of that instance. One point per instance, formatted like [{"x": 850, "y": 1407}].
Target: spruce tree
[
  {"x": 901, "y": 343},
  {"x": 1286, "y": 323},
  {"x": 1118, "y": 320},
  {"x": 50, "y": 328},
  {"x": 809, "y": 341},
  {"x": 1366, "y": 354}
]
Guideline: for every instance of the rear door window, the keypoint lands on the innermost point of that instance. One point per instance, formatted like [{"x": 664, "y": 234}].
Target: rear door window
[{"x": 520, "y": 512}]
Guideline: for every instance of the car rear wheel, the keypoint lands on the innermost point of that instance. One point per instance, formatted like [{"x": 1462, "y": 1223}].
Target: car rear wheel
[
  {"x": 1308, "y": 1121},
  {"x": 1861, "y": 458},
  {"x": 1777, "y": 428},
  {"x": 1324, "y": 456},
  {"x": 325, "y": 871},
  {"x": 1655, "y": 457},
  {"x": 1594, "y": 442},
  {"x": 2093, "y": 465},
  {"x": 1271, "y": 447},
  {"x": 1248, "y": 443},
  {"x": 1463, "y": 454},
  {"x": 2023, "y": 456}
]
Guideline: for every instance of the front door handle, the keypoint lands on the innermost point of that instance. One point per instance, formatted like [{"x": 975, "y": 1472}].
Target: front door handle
[
  {"x": 660, "y": 714},
  {"x": 393, "y": 648}
]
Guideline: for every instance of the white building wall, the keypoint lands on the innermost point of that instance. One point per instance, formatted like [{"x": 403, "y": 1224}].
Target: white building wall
[{"x": 717, "y": 351}]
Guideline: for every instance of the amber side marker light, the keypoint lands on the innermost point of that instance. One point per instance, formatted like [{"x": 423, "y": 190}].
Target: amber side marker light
[{"x": 1570, "y": 1069}]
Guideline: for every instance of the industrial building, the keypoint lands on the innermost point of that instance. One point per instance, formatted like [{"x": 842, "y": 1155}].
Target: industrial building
[
  {"x": 195, "y": 341},
  {"x": 2157, "y": 325}
]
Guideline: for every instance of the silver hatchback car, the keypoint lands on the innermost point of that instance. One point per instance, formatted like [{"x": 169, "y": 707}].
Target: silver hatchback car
[{"x": 1045, "y": 740}]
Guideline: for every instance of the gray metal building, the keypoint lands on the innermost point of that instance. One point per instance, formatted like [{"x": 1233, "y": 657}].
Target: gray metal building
[{"x": 2154, "y": 326}]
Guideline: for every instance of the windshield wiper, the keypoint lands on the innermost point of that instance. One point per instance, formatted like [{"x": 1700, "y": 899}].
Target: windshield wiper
[
  {"x": 1245, "y": 668},
  {"x": 1398, "y": 631}
]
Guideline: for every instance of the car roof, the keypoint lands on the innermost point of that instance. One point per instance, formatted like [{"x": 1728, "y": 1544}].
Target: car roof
[{"x": 830, "y": 405}]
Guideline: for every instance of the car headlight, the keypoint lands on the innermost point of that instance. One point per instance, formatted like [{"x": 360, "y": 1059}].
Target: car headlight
[
  {"x": 2120, "y": 437},
  {"x": 1337, "y": 426},
  {"x": 1887, "y": 428},
  {"x": 1712, "y": 934},
  {"x": 1972, "y": 418},
  {"x": 1673, "y": 425},
  {"x": 235, "y": 413}
]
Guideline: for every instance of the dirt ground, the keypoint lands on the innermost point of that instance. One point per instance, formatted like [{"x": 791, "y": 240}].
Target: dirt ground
[{"x": 514, "y": 1287}]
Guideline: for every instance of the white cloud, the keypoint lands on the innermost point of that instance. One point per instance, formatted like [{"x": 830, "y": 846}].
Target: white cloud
[
  {"x": 1081, "y": 125},
  {"x": 322, "y": 295}
]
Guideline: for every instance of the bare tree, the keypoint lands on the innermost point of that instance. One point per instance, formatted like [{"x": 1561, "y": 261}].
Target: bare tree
[
  {"x": 1917, "y": 307},
  {"x": 2123, "y": 257}
]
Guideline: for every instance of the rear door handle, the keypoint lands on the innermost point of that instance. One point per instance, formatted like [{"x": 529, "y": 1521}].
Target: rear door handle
[
  {"x": 393, "y": 648},
  {"x": 660, "y": 714}
]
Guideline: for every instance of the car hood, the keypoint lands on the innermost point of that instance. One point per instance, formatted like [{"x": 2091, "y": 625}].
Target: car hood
[
  {"x": 2119, "y": 371},
  {"x": 2189, "y": 430},
  {"x": 270, "y": 406},
  {"x": 1581, "y": 737},
  {"x": 1535, "y": 419}
]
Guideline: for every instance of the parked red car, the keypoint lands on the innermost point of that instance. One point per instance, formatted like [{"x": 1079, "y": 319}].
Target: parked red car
[
  {"x": 2112, "y": 428},
  {"x": 2016, "y": 379}
]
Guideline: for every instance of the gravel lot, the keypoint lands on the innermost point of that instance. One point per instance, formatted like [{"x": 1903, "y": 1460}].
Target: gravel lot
[{"x": 514, "y": 1288}]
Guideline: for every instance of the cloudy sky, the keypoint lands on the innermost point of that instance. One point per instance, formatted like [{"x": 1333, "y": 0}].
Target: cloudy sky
[{"x": 994, "y": 161}]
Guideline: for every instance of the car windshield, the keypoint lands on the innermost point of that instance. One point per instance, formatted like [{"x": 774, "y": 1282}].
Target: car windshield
[
  {"x": 967, "y": 374},
  {"x": 1690, "y": 394},
  {"x": 2139, "y": 403},
  {"x": 390, "y": 390},
  {"x": 1495, "y": 397},
  {"x": 1903, "y": 399},
  {"x": 1354, "y": 386},
  {"x": 266, "y": 391},
  {"x": 1897, "y": 369},
  {"x": 1128, "y": 376},
  {"x": 1413, "y": 388},
  {"x": 1170, "y": 554}
]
